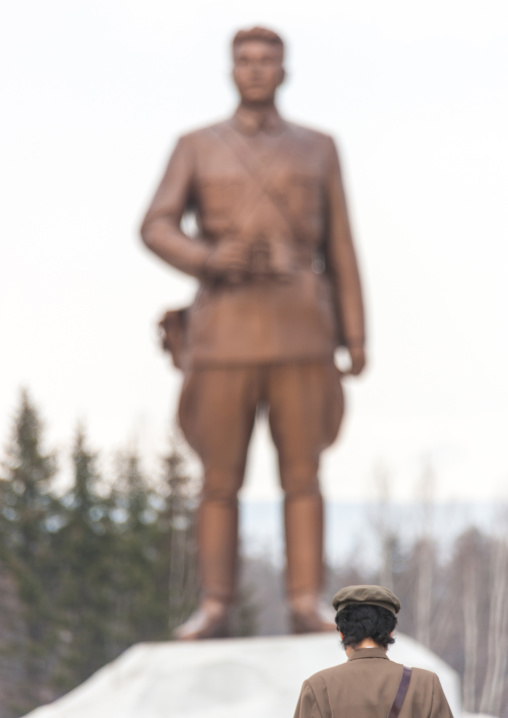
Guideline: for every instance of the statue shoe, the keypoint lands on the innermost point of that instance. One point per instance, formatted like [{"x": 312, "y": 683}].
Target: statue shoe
[
  {"x": 210, "y": 620},
  {"x": 309, "y": 616}
]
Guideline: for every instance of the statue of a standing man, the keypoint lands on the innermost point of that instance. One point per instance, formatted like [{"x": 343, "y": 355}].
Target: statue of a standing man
[{"x": 279, "y": 291}]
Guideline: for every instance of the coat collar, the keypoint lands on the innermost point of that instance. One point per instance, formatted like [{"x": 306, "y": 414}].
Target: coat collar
[
  {"x": 250, "y": 122},
  {"x": 369, "y": 653}
]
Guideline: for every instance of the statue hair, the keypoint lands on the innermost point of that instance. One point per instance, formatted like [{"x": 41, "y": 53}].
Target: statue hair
[{"x": 259, "y": 33}]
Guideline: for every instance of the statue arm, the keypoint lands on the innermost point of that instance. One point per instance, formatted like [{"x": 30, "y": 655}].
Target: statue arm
[
  {"x": 342, "y": 267},
  {"x": 161, "y": 230}
]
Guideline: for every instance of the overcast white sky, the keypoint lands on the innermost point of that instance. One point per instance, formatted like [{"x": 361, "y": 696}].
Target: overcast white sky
[{"x": 94, "y": 94}]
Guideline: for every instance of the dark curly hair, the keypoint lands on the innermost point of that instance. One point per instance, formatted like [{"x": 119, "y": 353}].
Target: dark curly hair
[{"x": 359, "y": 621}]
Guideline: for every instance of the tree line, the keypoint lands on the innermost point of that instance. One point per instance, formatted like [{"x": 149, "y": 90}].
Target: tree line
[
  {"x": 109, "y": 561},
  {"x": 89, "y": 570}
]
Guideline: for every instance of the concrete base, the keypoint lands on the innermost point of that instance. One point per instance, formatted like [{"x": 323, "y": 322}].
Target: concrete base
[{"x": 231, "y": 678}]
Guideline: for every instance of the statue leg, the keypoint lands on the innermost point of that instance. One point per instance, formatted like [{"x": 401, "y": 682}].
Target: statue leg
[
  {"x": 306, "y": 406},
  {"x": 217, "y": 412}
]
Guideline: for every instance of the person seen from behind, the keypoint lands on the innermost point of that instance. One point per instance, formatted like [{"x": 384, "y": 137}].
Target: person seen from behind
[{"x": 369, "y": 684}]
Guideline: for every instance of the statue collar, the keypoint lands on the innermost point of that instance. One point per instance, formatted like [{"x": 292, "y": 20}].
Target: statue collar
[{"x": 250, "y": 122}]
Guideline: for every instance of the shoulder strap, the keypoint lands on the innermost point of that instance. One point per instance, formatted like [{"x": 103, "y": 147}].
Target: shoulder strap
[
  {"x": 262, "y": 175},
  {"x": 401, "y": 693}
]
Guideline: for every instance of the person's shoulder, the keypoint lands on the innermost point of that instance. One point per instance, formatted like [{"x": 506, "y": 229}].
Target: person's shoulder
[
  {"x": 424, "y": 676},
  {"x": 327, "y": 675},
  {"x": 421, "y": 674}
]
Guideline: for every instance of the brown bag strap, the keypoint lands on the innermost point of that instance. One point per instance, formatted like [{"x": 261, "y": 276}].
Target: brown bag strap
[{"x": 401, "y": 693}]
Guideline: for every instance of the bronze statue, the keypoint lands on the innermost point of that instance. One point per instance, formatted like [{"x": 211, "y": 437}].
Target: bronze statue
[{"x": 279, "y": 291}]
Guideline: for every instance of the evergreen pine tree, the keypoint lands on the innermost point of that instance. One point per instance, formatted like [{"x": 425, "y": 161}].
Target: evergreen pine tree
[
  {"x": 86, "y": 556},
  {"x": 141, "y": 609},
  {"x": 12, "y": 643},
  {"x": 28, "y": 515}
]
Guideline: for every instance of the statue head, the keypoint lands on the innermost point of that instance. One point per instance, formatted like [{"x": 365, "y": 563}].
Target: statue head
[{"x": 258, "y": 69}]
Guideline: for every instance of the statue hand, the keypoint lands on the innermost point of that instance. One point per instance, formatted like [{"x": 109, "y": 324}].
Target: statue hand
[
  {"x": 357, "y": 361},
  {"x": 228, "y": 261}
]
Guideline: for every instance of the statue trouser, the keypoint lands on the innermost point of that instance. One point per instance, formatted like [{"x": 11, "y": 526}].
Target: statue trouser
[{"x": 217, "y": 412}]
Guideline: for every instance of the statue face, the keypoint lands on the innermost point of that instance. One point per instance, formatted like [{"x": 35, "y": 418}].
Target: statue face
[{"x": 257, "y": 71}]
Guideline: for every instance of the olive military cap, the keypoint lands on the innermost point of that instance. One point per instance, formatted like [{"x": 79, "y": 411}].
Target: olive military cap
[{"x": 370, "y": 595}]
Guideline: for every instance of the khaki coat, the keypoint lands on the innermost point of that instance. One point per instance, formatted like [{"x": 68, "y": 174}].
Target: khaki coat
[{"x": 365, "y": 687}]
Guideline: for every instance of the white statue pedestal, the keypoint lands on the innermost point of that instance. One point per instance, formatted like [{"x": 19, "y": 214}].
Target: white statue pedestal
[{"x": 229, "y": 678}]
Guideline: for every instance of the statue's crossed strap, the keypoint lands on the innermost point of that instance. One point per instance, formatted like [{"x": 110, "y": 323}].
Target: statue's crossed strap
[{"x": 264, "y": 176}]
